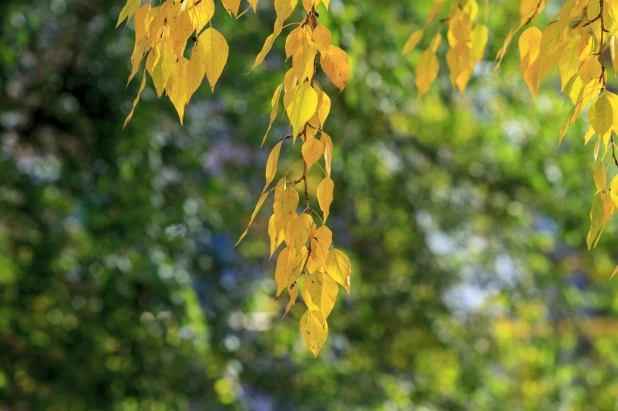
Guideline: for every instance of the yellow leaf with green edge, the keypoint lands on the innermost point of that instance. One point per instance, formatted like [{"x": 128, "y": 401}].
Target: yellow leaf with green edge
[
  {"x": 322, "y": 38},
  {"x": 255, "y": 212},
  {"x": 480, "y": 34},
  {"x": 314, "y": 329},
  {"x": 274, "y": 102},
  {"x": 336, "y": 66},
  {"x": 312, "y": 151},
  {"x": 139, "y": 93},
  {"x": 412, "y": 42},
  {"x": 338, "y": 266},
  {"x": 282, "y": 272},
  {"x": 302, "y": 107},
  {"x": 177, "y": 87},
  {"x": 271, "y": 164},
  {"x": 216, "y": 52},
  {"x": 128, "y": 10},
  {"x": 325, "y": 195},
  {"x": 201, "y": 13},
  {"x": 426, "y": 71},
  {"x": 231, "y": 6},
  {"x": 601, "y": 115},
  {"x": 161, "y": 69},
  {"x": 320, "y": 293}
]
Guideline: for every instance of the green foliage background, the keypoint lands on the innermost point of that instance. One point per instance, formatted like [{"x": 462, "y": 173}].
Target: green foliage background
[{"x": 120, "y": 289}]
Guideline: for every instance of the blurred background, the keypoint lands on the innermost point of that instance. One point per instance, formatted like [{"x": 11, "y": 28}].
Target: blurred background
[{"x": 120, "y": 289}]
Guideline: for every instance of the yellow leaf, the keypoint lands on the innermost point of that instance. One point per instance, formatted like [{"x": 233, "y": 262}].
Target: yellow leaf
[
  {"x": 601, "y": 115},
  {"x": 201, "y": 13},
  {"x": 274, "y": 102},
  {"x": 614, "y": 190},
  {"x": 302, "y": 107},
  {"x": 426, "y": 71},
  {"x": 303, "y": 61},
  {"x": 257, "y": 209},
  {"x": 216, "y": 52},
  {"x": 324, "y": 108},
  {"x": 326, "y": 3},
  {"x": 412, "y": 42},
  {"x": 268, "y": 44},
  {"x": 461, "y": 65},
  {"x": 177, "y": 87},
  {"x": 293, "y": 291},
  {"x": 282, "y": 272},
  {"x": 336, "y": 66},
  {"x": 298, "y": 229},
  {"x": 276, "y": 238},
  {"x": 271, "y": 164},
  {"x": 338, "y": 266},
  {"x": 253, "y": 4},
  {"x": 283, "y": 9},
  {"x": 196, "y": 69},
  {"x": 553, "y": 43},
  {"x": 160, "y": 72},
  {"x": 320, "y": 245},
  {"x": 181, "y": 27},
  {"x": 294, "y": 41},
  {"x": 139, "y": 93},
  {"x": 328, "y": 152},
  {"x": 600, "y": 177},
  {"x": 569, "y": 62},
  {"x": 590, "y": 69},
  {"x": 529, "y": 49},
  {"x": 285, "y": 204},
  {"x": 320, "y": 293},
  {"x": 528, "y": 9},
  {"x": 309, "y": 4},
  {"x": 314, "y": 330},
  {"x": 438, "y": 4},
  {"x": 325, "y": 195},
  {"x": 231, "y": 6},
  {"x": 322, "y": 38},
  {"x": 479, "y": 41},
  {"x": 128, "y": 10},
  {"x": 312, "y": 151}
]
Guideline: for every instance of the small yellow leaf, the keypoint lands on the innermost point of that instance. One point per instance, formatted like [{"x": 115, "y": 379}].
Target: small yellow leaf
[
  {"x": 336, "y": 65},
  {"x": 328, "y": 152},
  {"x": 325, "y": 195},
  {"x": 276, "y": 238},
  {"x": 314, "y": 329},
  {"x": 426, "y": 71},
  {"x": 338, "y": 266},
  {"x": 600, "y": 177},
  {"x": 282, "y": 272},
  {"x": 412, "y": 42},
  {"x": 324, "y": 108},
  {"x": 128, "y": 10},
  {"x": 257, "y": 209},
  {"x": 268, "y": 44},
  {"x": 177, "y": 87},
  {"x": 139, "y": 93},
  {"x": 216, "y": 52},
  {"x": 253, "y": 4},
  {"x": 273, "y": 113},
  {"x": 312, "y": 151},
  {"x": 479, "y": 41},
  {"x": 285, "y": 204}
]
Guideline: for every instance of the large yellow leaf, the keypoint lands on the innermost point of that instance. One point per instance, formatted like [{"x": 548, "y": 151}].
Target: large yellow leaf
[
  {"x": 285, "y": 204},
  {"x": 320, "y": 293},
  {"x": 177, "y": 87},
  {"x": 302, "y": 107},
  {"x": 161, "y": 68},
  {"x": 312, "y": 151},
  {"x": 216, "y": 52},
  {"x": 601, "y": 115},
  {"x": 322, "y": 38},
  {"x": 325, "y": 195},
  {"x": 314, "y": 329},
  {"x": 298, "y": 229},
  {"x": 553, "y": 44},
  {"x": 336, "y": 65},
  {"x": 426, "y": 71},
  {"x": 529, "y": 49},
  {"x": 283, "y": 9},
  {"x": 338, "y": 266},
  {"x": 201, "y": 13}
]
